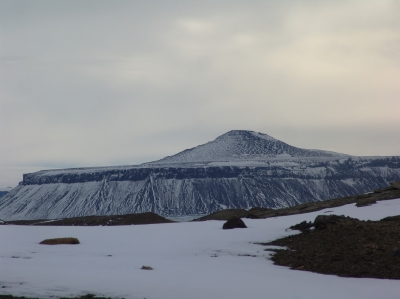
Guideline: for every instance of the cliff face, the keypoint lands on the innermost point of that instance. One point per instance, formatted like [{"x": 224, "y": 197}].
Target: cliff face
[{"x": 196, "y": 185}]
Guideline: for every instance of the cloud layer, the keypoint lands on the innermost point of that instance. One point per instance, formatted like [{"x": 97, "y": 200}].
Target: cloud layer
[{"x": 91, "y": 83}]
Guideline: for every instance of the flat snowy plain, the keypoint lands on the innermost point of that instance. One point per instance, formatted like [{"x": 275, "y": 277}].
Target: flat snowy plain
[{"x": 190, "y": 260}]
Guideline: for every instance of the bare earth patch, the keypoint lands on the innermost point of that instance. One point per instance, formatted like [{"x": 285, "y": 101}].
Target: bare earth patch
[{"x": 350, "y": 248}]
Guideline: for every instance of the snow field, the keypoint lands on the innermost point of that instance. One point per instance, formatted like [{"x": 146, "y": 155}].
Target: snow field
[{"x": 190, "y": 260}]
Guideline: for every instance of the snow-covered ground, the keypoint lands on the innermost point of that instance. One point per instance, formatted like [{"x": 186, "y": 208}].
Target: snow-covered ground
[{"x": 190, "y": 260}]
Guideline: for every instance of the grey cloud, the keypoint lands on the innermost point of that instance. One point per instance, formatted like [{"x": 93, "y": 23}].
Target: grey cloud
[{"x": 86, "y": 83}]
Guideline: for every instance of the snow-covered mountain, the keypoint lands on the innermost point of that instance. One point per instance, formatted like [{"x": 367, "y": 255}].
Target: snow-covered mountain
[
  {"x": 240, "y": 169},
  {"x": 239, "y": 145}
]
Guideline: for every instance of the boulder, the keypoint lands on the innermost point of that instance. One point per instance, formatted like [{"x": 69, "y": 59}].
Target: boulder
[
  {"x": 58, "y": 241},
  {"x": 234, "y": 222}
]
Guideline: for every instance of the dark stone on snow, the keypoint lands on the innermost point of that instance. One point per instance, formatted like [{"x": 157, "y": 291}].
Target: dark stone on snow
[
  {"x": 302, "y": 225},
  {"x": 234, "y": 222},
  {"x": 58, "y": 241}
]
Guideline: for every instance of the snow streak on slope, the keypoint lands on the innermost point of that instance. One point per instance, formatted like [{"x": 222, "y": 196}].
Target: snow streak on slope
[{"x": 191, "y": 260}]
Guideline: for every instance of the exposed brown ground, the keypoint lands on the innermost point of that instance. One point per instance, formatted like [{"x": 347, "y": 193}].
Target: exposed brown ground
[
  {"x": 128, "y": 219},
  {"x": 350, "y": 248}
]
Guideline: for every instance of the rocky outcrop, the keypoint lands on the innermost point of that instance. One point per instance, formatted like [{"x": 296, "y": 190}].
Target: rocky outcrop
[{"x": 234, "y": 222}]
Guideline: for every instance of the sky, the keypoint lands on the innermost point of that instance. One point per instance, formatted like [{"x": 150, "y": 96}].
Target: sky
[{"x": 100, "y": 83}]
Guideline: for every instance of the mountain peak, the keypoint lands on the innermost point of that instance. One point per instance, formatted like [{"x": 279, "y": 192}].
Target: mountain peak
[
  {"x": 245, "y": 134},
  {"x": 242, "y": 145}
]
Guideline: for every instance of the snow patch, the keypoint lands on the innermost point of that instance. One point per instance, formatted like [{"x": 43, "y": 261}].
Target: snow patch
[{"x": 194, "y": 260}]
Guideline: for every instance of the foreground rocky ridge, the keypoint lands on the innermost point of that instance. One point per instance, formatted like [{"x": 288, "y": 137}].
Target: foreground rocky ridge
[
  {"x": 239, "y": 170},
  {"x": 344, "y": 246}
]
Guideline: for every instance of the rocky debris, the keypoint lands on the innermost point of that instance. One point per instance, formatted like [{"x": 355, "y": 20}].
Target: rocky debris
[
  {"x": 322, "y": 221},
  {"x": 391, "y": 218},
  {"x": 146, "y": 268},
  {"x": 302, "y": 226},
  {"x": 397, "y": 252},
  {"x": 110, "y": 220},
  {"x": 257, "y": 212},
  {"x": 234, "y": 222},
  {"x": 224, "y": 215},
  {"x": 380, "y": 194},
  {"x": 58, "y": 241},
  {"x": 345, "y": 247}
]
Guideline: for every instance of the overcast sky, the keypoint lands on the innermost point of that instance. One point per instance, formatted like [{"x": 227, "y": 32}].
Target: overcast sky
[{"x": 98, "y": 83}]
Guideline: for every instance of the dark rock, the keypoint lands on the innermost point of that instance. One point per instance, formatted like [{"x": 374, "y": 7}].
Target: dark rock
[
  {"x": 302, "y": 225},
  {"x": 58, "y": 241},
  {"x": 252, "y": 216},
  {"x": 224, "y": 215},
  {"x": 397, "y": 252},
  {"x": 258, "y": 212},
  {"x": 365, "y": 202},
  {"x": 321, "y": 221},
  {"x": 234, "y": 222},
  {"x": 147, "y": 268},
  {"x": 391, "y": 218}
]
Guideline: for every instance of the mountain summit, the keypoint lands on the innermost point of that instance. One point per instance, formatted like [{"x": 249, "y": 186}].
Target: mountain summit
[{"x": 243, "y": 145}]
